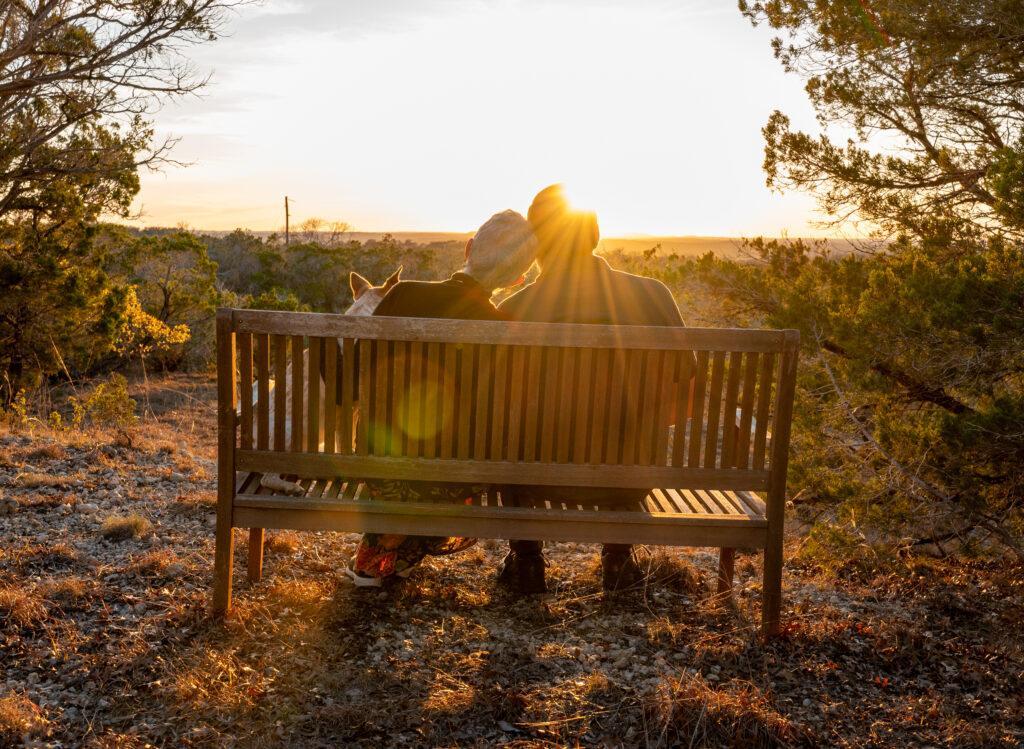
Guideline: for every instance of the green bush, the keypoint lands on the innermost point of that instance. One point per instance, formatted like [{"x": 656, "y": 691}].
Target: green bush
[{"x": 107, "y": 405}]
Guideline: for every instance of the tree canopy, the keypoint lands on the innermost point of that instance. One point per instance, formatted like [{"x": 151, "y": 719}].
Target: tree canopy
[{"x": 912, "y": 401}]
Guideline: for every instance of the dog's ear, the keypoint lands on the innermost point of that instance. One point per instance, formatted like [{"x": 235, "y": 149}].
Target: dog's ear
[
  {"x": 393, "y": 278},
  {"x": 358, "y": 284}
]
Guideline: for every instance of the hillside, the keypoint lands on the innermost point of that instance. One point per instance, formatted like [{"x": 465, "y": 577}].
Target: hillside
[{"x": 105, "y": 575}]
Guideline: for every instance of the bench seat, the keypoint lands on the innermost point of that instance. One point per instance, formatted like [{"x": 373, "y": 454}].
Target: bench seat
[{"x": 675, "y": 517}]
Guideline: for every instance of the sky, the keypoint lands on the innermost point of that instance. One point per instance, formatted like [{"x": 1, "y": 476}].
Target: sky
[{"x": 431, "y": 115}]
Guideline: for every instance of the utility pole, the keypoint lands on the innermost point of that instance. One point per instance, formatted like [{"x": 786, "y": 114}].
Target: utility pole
[{"x": 286, "y": 236}]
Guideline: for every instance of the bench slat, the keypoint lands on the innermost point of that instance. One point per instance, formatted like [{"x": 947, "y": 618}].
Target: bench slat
[
  {"x": 330, "y": 369},
  {"x": 567, "y": 403},
  {"x": 612, "y": 428},
  {"x": 499, "y": 472},
  {"x": 530, "y": 409},
  {"x": 499, "y": 402},
  {"x": 298, "y": 390},
  {"x": 599, "y": 413},
  {"x": 512, "y": 333},
  {"x": 347, "y": 415},
  {"x": 764, "y": 401},
  {"x": 262, "y": 356},
  {"x": 315, "y": 501},
  {"x": 364, "y": 398},
  {"x": 464, "y": 388},
  {"x": 742, "y": 459},
  {"x": 486, "y": 379},
  {"x": 279, "y": 345},
  {"x": 727, "y": 457},
  {"x": 313, "y": 395},
  {"x": 391, "y": 357},
  {"x": 651, "y": 398},
  {"x": 245, "y": 389},
  {"x": 448, "y": 371},
  {"x": 632, "y": 413},
  {"x": 517, "y": 386},
  {"x": 551, "y": 527},
  {"x": 714, "y": 408},
  {"x": 697, "y": 417},
  {"x": 550, "y": 404},
  {"x": 684, "y": 373},
  {"x": 380, "y": 386}
]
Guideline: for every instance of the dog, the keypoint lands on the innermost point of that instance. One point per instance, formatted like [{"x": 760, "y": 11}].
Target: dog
[{"x": 365, "y": 299}]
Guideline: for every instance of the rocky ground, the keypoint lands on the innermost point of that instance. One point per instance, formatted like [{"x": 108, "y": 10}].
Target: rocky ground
[{"x": 106, "y": 544}]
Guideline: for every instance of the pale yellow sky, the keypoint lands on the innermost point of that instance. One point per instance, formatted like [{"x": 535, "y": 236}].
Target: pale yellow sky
[{"x": 419, "y": 115}]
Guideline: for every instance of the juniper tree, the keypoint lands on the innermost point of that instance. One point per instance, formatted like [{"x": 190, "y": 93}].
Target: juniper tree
[
  {"x": 78, "y": 81},
  {"x": 912, "y": 403}
]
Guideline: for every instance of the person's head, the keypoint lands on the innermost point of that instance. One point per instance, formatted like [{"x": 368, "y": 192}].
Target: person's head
[
  {"x": 501, "y": 251},
  {"x": 564, "y": 235}
]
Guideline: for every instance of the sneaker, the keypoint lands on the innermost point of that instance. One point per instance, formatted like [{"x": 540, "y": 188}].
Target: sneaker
[
  {"x": 362, "y": 580},
  {"x": 523, "y": 573},
  {"x": 619, "y": 569}
]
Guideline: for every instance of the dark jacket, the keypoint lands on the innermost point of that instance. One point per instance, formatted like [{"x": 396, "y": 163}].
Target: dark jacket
[
  {"x": 461, "y": 298},
  {"x": 591, "y": 292},
  {"x": 458, "y": 298}
]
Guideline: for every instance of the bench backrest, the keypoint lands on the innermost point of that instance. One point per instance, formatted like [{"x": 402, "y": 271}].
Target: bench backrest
[{"x": 519, "y": 403}]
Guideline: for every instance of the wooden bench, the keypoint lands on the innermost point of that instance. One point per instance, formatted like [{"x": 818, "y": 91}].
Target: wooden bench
[{"x": 505, "y": 404}]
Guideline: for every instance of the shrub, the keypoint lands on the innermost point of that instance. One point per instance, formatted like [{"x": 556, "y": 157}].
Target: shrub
[
  {"x": 122, "y": 527},
  {"x": 107, "y": 405}
]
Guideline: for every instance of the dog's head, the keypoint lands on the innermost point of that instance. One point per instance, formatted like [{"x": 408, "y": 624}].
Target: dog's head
[{"x": 366, "y": 296}]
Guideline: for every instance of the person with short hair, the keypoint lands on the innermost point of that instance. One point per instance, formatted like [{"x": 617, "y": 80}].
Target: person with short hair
[
  {"x": 577, "y": 286},
  {"x": 497, "y": 257}
]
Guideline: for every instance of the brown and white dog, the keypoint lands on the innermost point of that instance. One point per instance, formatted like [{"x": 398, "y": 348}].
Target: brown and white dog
[{"x": 366, "y": 297}]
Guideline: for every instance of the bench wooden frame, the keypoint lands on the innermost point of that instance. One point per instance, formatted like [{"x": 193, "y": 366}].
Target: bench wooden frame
[{"x": 499, "y": 404}]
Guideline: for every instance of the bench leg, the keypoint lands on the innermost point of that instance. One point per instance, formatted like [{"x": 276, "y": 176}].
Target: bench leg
[
  {"x": 771, "y": 596},
  {"x": 222, "y": 562},
  {"x": 255, "y": 555},
  {"x": 726, "y": 565}
]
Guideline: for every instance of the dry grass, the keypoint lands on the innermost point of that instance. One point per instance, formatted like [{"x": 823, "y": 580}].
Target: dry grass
[
  {"x": 65, "y": 591},
  {"x": 689, "y": 712},
  {"x": 21, "y": 608},
  {"x": 20, "y": 718},
  {"x": 51, "y": 451},
  {"x": 123, "y": 527},
  {"x": 33, "y": 480},
  {"x": 155, "y": 563},
  {"x": 58, "y": 557},
  {"x": 930, "y": 657},
  {"x": 675, "y": 572},
  {"x": 282, "y": 542}
]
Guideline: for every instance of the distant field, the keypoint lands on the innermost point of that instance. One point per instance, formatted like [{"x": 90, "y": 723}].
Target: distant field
[{"x": 685, "y": 246}]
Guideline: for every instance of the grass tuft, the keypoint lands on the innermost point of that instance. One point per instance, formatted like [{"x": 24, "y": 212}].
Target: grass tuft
[
  {"x": 19, "y": 718},
  {"x": 65, "y": 591},
  {"x": 687, "y": 711},
  {"x": 21, "y": 608},
  {"x": 674, "y": 572},
  {"x": 48, "y": 558},
  {"x": 50, "y": 451},
  {"x": 123, "y": 527},
  {"x": 282, "y": 542},
  {"x": 154, "y": 563},
  {"x": 32, "y": 480}
]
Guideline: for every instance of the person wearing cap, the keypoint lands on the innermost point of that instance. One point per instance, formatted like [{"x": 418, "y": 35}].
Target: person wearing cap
[
  {"x": 577, "y": 286},
  {"x": 497, "y": 257}
]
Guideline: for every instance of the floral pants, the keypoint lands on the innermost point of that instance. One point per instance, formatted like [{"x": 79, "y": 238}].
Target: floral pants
[{"x": 384, "y": 554}]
